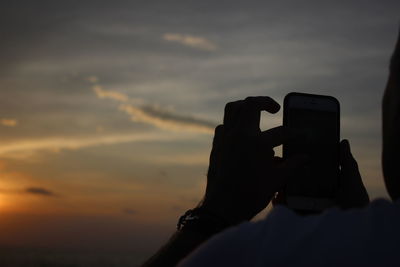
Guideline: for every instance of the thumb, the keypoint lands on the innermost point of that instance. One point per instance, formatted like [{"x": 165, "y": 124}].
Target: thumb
[
  {"x": 352, "y": 192},
  {"x": 347, "y": 162},
  {"x": 215, "y": 151}
]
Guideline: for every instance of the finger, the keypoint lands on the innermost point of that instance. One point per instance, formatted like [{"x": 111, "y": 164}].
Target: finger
[
  {"x": 274, "y": 136},
  {"x": 231, "y": 113},
  {"x": 350, "y": 178},
  {"x": 263, "y": 103},
  {"x": 215, "y": 151},
  {"x": 350, "y": 175},
  {"x": 218, "y": 135},
  {"x": 352, "y": 192},
  {"x": 249, "y": 117},
  {"x": 347, "y": 162}
]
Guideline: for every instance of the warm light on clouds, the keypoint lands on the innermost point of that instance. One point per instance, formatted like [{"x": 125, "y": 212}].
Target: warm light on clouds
[
  {"x": 24, "y": 148},
  {"x": 200, "y": 158},
  {"x": 1, "y": 201},
  {"x": 40, "y": 191},
  {"x": 191, "y": 41},
  {"x": 156, "y": 115},
  {"x": 92, "y": 79},
  {"x": 165, "y": 120},
  {"x": 111, "y": 108},
  {"x": 8, "y": 122},
  {"x": 109, "y": 94}
]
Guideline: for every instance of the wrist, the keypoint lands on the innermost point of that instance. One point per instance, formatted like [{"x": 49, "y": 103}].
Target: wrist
[{"x": 202, "y": 221}]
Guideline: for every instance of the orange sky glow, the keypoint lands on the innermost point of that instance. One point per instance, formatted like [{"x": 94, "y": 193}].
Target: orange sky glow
[{"x": 107, "y": 111}]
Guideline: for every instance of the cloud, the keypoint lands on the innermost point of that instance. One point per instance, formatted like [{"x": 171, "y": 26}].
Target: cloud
[
  {"x": 92, "y": 79},
  {"x": 40, "y": 191},
  {"x": 156, "y": 115},
  {"x": 22, "y": 148},
  {"x": 167, "y": 120},
  {"x": 109, "y": 94},
  {"x": 129, "y": 211},
  {"x": 149, "y": 114},
  {"x": 8, "y": 122},
  {"x": 191, "y": 41},
  {"x": 192, "y": 159}
]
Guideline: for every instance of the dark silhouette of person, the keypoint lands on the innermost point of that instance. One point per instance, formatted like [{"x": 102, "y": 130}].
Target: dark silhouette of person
[{"x": 243, "y": 177}]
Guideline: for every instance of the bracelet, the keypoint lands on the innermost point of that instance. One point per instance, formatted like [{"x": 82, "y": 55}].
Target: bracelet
[{"x": 201, "y": 221}]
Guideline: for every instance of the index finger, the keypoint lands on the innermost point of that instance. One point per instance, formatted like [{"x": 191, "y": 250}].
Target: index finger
[
  {"x": 249, "y": 117},
  {"x": 274, "y": 136}
]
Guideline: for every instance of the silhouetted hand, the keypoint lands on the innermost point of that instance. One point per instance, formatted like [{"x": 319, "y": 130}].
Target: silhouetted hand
[
  {"x": 351, "y": 193},
  {"x": 244, "y": 174}
]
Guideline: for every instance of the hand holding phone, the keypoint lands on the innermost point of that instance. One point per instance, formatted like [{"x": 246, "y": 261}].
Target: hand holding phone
[
  {"x": 244, "y": 173},
  {"x": 316, "y": 121}
]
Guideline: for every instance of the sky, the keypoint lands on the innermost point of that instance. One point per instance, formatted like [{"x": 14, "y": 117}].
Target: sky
[{"x": 107, "y": 108}]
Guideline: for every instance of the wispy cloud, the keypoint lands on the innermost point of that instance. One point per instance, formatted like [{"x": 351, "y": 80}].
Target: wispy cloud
[
  {"x": 129, "y": 211},
  {"x": 40, "y": 191},
  {"x": 92, "y": 79},
  {"x": 109, "y": 94},
  {"x": 156, "y": 115},
  {"x": 8, "y": 122},
  {"x": 167, "y": 120},
  {"x": 150, "y": 114},
  {"x": 191, "y": 41},
  {"x": 23, "y": 148}
]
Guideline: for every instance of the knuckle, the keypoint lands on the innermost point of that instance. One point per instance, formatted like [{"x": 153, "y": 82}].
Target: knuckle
[
  {"x": 218, "y": 135},
  {"x": 231, "y": 105},
  {"x": 352, "y": 164},
  {"x": 219, "y": 129},
  {"x": 269, "y": 99},
  {"x": 228, "y": 107}
]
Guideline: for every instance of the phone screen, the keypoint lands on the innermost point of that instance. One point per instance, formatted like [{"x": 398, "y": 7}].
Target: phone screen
[{"x": 318, "y": 137}]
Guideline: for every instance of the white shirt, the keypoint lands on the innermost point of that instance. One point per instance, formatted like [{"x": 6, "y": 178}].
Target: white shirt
[{"x": 357, "y": 237}]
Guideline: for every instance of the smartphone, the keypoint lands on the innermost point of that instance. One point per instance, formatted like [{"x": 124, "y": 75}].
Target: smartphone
[{"x": 314, "y": 121}]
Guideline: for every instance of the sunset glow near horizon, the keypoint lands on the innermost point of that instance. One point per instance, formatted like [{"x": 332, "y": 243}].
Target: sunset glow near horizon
[{"x": 107, "y": 110}]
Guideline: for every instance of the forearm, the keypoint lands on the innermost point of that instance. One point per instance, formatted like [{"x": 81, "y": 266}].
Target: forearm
[{"x": 194, "y": 227}]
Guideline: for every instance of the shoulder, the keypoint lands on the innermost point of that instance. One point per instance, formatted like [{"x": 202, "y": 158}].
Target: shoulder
[
  {"x": 229, "y": 248},
  {"x": 285, "y": 238},
  {"x": 237, "y": 245}
]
